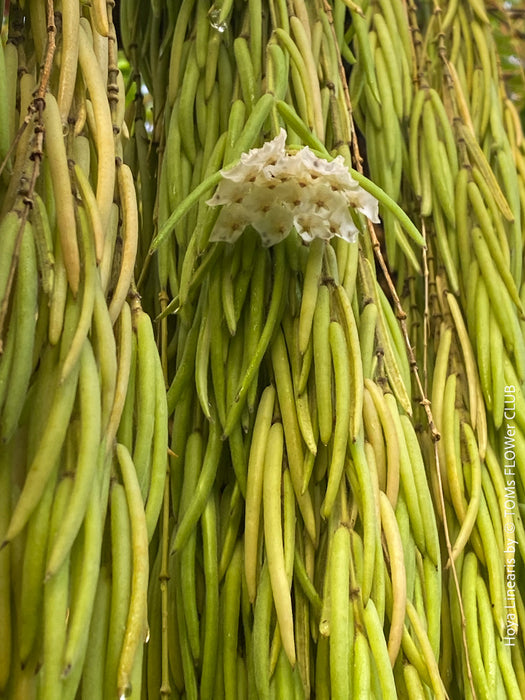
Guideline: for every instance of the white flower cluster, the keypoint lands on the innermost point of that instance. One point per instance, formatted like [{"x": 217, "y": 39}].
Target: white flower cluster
[{"x": 274, "y": 191}]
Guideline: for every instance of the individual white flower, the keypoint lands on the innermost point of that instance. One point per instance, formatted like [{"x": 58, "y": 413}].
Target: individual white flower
[
  {"x": 342, "y": 225},
  {"x": 260, "y": 200},
  {"x": 292, "y": 167},
  {"x": 253, "y": 162},
  {"x": 365, "y": 203},
  {"x": 334, "y": 172},
  {"x": 230, "y": 223},
  {"x": 321, "y": 198},
  {"x": 239, "y": 173},
  {"x": 310, "y": 225},
  {"x": 227, "y": 192},
  {"x": 273, "y": 225},
  {"x": 270, "y": 152},
  {"x": 287, "y": 191}
]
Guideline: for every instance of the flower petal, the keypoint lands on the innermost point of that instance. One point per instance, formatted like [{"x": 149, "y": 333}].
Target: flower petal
[
  {"x": 274, "y": 225},
  {"x": 230, "y": 223},
  {"x": 342, "y": 224},
  {"x": 364, "y": 202},
  {"x": 270, "y": 152},
  {"x": 227, "y": 192},
  {"x": 259, "y": 200},
  {"x": 310, "y": 225}
]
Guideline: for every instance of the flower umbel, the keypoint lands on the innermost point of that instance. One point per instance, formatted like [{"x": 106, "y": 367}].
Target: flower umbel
[{"x": 275, "y": 191}]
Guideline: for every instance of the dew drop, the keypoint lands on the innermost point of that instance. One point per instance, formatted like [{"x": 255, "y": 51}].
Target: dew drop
[{"x": 214, "y": 16}]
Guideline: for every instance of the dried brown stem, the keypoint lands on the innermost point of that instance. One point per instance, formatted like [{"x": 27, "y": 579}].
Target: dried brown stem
[{"x": 36, "y": 107}]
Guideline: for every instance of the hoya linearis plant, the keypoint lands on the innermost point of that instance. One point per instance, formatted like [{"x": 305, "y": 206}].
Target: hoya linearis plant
[{"x": 262, "y": 354}]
